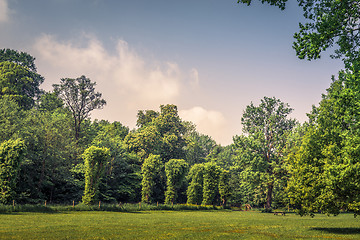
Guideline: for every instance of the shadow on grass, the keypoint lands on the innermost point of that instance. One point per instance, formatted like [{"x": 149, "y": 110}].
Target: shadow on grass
[{"x": 339, "y": 230}]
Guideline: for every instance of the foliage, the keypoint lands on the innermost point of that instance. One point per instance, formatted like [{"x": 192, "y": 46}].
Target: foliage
[
  {"x": 196, "y": 183},
  {"x": 211, "y": 183},
  {"x": 198, "y": 146},
  {"x": 19, "y": 84},
  {"x": 11, "y": 153},
  {"x": 331, "y": 23},
  {"x": 224, "y": 189},
  {"x": 261, "y": 154},
  {"x": 151, "y": 167},
  {"x": 160, "y": 134},
  {"x": 95, "y": 159},
  {"x": 325, "y": 167},
  {"x": 278, "y": 3},
  {"x": 175, "y": 170},
  {"x": 80, "y": 97}
]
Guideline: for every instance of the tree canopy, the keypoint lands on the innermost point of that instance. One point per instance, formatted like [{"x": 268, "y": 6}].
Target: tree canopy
[{"x": 331, "y": 23}]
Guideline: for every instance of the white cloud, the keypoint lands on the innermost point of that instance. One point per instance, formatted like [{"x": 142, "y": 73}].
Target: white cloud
[
  {"x": 127, "y": 81},
  {"x": 4, "y": 11},
  {"x": 209, "y": 122}
]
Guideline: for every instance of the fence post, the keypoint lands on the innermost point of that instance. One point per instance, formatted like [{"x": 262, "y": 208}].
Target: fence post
[
  {"x": 99, "y": 204},
  {"x": 45, "y": 203},
  {"x": 13, "y": 203},
  {"x": 73, "y": 204}
]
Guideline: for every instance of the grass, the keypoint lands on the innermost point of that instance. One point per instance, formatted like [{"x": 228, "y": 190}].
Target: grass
[{"x": 220, "y": 224}]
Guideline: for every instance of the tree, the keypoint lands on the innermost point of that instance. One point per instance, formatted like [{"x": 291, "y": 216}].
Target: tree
[
  {"x": 211, "y": 183},
  {"x": 224, "y": 189},
  {"x": 11, "y": 153},
  {"x": 151, "y": 167},
  {"x": 19, "y": 84},
  {"x": 160, "y": 134},
  {"x": 20, "y": 58},
  {"x": 175, "y": 170},
  {"x": 262, "y": 151},
  {"x": 122, "y": 179},
  {"x": 95, "y": 159},
  {"x": 331, "y": 23},
  {"x": 198, "y": 146},
  {"x": 195, "y": 189},
  {"x": 325, "y": 168},
  {"x": 80, "y": 97}
]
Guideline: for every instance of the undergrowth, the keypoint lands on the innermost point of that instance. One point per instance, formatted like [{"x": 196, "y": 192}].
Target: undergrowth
[{"x": 126, "y": 207}]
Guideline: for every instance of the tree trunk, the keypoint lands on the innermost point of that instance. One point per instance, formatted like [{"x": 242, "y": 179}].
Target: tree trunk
[{"x": 269, "y": 195}]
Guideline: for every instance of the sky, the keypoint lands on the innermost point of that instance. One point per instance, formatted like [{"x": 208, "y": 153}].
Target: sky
[{"x": 211, "y": 58}]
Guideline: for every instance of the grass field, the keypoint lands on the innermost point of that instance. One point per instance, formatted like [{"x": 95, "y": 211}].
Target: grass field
[{"x": 176, "y": 225}]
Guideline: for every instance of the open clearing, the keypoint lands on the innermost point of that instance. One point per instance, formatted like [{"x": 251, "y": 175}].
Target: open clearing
[{"x": 176, "y": 225}]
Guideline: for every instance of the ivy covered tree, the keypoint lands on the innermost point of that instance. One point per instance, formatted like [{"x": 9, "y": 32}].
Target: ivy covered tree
[
  {"x": 211, "y": 183},
  {"x": 95, "y": 159},
  {"x": 196, "y": 184},
  {"x": 11, "y": 154},
  {"x": 151, "y": 167},
  {"x": 176, "y": 170},
  {"x": 224, "y": 188}
]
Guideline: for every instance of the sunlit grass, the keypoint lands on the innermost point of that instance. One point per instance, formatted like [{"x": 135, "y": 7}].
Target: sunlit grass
[{"x": 175, "y": 225}]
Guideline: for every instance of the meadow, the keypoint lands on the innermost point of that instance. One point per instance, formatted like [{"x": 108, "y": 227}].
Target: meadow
[{"x": 210, "y": 224}]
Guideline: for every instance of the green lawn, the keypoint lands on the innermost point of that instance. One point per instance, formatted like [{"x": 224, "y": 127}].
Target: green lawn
[{"x": 176, "y": 225}]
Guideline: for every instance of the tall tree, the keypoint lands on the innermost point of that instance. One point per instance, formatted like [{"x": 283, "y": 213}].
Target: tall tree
[
  {"x": 11, "y": 153},
  {"x": 325, "y": 168},
  {"x": 80, "y": 97},
  {"x": 267, "y": 126}
]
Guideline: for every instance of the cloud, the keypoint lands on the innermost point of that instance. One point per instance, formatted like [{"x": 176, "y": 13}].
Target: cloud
[
  {"x": 4, "y": 11},
  {"x": 209, "y": 122},
  {"x": 128, "y": 82}
]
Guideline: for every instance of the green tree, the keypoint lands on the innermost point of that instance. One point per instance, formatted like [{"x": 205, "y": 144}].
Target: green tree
[
  {"x": 330, "y": 23},
  {"x": 325, "y": 168},
  {"x": 51, "y": 147},
  {"x": 11, "y": 153},
  {"x": 262, "y": 153},
  {"x": 211, "y": 183},
  {"x": 95, "y": 159},
  {"x": 195, "y": 189},
  {"x": 224, "y": 189},
  {"x": 198, "y": 146},
  {"x": 122, "y": 179},
  {"x": 19, "y": 84},
  {"x": 80, "y": 97},
  {"x": 20, "y": 58},
  {"x": 175, "y": 170},
  {"x": 11, "y": 116},
  {"x": 151, "y": 167},
  {"x": 162, "y": 135}
]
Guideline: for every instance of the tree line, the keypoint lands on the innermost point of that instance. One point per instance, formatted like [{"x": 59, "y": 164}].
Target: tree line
[{"x": 51, "y": 150}]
